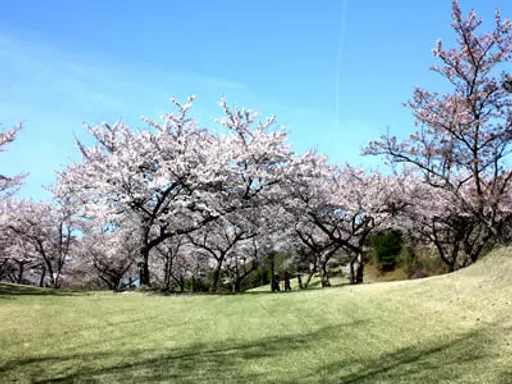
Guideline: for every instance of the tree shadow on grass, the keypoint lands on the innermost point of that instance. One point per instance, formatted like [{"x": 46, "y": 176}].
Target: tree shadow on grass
[
  {"x": 7, "y": 289},
  {"x": 202, "y": 362},
  {"x": 431, "y": 363},
  {"x": 505, "y": 377},
  {"x": 235, "y": 361}
]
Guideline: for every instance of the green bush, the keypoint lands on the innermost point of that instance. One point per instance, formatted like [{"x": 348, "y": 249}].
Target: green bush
[{"x": 387, "y": 245}]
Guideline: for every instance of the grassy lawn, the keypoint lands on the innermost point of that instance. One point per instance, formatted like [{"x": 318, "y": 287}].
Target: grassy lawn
[{"x": 452, "y": 328}]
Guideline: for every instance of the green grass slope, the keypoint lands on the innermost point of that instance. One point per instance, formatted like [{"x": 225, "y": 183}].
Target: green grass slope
[{"x": 447, "y": 329}]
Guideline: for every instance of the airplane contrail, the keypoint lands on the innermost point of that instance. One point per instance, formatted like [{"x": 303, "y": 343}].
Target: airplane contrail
[{"x": 341, "y": 40}]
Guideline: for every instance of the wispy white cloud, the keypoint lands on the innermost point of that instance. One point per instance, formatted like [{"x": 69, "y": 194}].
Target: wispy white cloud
[
  {"x": 53, "y": 91},
  {"x": 39, "y": 75}
]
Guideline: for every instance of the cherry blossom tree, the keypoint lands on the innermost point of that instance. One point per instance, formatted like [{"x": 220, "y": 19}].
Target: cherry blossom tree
[
  {"x": 337, "y": 208},
  {"x": 15, "y": 259},
  {"x": 172, "y": 262},
  {"x": 249, "y": 255},
  {"x": 305, "y": 262},
  {"x": 9, "y": 185},
  {"x": 18, "y": 261},
  {"x": 320, "y": 249},
  {"x": 174, "y": 176},
  {"x": 152, "y": 174},
  {"x": 105, "y": 251},
  {"x": 436, "y": 218},
  {"x": 466, "y": 135},
  {"x": 218, "y": 239},
  {"x": 309, "y": 179},
  {"x": 47, "y": 231}
]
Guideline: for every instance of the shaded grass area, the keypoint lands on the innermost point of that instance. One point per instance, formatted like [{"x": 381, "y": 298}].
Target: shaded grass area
[
  {"x": 431, "y": 363},
  {"x": 7, "y": 289},
  {"x": 447, "y": 329}
]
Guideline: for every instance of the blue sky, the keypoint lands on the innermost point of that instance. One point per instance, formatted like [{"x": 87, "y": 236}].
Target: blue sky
[{"x": 335, "y": 72}]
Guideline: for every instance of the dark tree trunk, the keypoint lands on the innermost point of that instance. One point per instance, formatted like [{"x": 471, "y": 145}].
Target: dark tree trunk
[
  {"x": 144, "y": 279},
  {"x": 450, "y": 261},
  {"x": 240, "y": 277},
  {"x": 352, "y": 277},
  {"x": 117, "y": 282},
  {"x": 238, "y": 284},
  {"x": 357, "y": 270},
  {"x": 216, "y": 277},
  {"x": 108, "y": 280},
  {"x": 299, "y": 278},
  {"x": 167, "y": 284},
  {"x": 167, "y": 274},
  {"x": 20, "y": 273},
  {"x": 359, "y": 273},
  {"x": 43, "y": 275},
  {"x": 308, "y": 280},
  {"x": 272, "y": 273},
  {"x": 50, "y": 274},
  {"x": 325, "y": 276}
]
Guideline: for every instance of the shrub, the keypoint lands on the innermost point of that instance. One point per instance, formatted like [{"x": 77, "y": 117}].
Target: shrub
[{"x": 387, "y": 246}]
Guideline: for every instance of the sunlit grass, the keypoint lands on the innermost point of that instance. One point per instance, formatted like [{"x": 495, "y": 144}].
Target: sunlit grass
[{"x": 451, "y": 328}]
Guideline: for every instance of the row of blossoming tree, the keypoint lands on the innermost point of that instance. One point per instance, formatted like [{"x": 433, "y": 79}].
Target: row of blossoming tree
[{"x": 174, "y": 201}]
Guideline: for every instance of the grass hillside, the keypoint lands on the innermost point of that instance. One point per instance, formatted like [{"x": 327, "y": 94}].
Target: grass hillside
[{"x": 448, "y": 329}]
